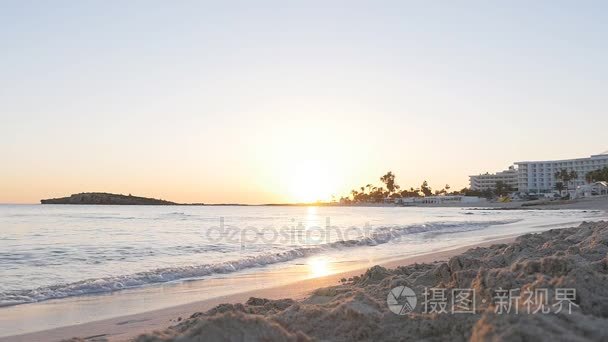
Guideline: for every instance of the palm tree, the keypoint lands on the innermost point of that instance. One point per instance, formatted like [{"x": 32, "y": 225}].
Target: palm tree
[
  {"x": 573, "y": 175},
  {"x": 597, "y": 175},
  {"x": 379, "y": 194},
  {"x": 559, "y": 186},
  {"x": 389, "y": 180},
  {"x": 589, "y": 177},
  {"x": 566, "y": 176},
  {"x": 363, "y": 196},
  {"x": 563, "y": 175},
  {"x": 426, "y": 189},
  {"x": 502, "y": 188}
]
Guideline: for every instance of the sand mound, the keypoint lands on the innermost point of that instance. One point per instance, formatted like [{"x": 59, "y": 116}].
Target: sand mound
[{"x": 357, "y": 310}]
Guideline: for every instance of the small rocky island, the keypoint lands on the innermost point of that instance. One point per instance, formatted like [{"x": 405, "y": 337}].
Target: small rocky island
[{"x": 106, "y": 198}]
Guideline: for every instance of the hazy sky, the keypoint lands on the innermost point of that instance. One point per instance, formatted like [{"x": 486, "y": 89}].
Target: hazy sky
[{"x": 270, "y": 101}]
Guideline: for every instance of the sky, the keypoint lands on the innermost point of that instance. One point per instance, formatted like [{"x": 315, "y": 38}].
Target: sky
[{"x": 287, "y": 101}]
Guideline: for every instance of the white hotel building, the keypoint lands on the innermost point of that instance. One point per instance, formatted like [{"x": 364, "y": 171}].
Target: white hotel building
[
  {"x": 539, "y": 176},
  {"x": 488, "y": 180}
]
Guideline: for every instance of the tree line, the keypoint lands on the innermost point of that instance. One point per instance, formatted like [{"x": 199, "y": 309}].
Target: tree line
[
  {"x": 600, "y": 175},
  {"x": 390, "y": 189},
  {"x": 565, "y": 178}
]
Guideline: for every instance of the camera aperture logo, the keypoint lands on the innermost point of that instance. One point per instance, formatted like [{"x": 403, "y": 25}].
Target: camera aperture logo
[{"x": 401, "y": 300}]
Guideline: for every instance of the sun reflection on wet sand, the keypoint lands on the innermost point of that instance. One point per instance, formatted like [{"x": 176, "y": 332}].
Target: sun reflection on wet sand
[{"x": 318, "y": 267}]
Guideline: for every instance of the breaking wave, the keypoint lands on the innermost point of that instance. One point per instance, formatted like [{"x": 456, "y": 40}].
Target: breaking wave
[{"x": 377, "y": 236}]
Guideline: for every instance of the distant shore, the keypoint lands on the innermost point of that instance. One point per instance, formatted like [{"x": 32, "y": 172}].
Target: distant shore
[
  {"x": 599, "y": 202},
  {"x": 104, "y": 198}
]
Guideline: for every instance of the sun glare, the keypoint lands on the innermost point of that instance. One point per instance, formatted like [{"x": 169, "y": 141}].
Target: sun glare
[
  {"x": 318, "y": 267},
  {"x": 310, "y": 182}
]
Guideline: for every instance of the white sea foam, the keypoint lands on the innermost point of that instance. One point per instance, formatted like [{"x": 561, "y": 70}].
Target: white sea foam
[{"x": 378, "y": 236}]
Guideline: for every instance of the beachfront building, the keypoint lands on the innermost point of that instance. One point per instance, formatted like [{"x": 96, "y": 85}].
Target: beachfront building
[
  {"x": 488, "y": 180},
  {"x": 446, "y": 199},
  {"x": 593, "y": 189},
  {"x": 539, "y": 176}
]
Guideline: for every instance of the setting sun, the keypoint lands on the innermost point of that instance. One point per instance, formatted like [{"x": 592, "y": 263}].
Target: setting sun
[{"x": 310, "y": 182}]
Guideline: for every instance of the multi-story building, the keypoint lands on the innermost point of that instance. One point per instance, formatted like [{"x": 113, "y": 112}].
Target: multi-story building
[
  {"x": 488, "y": 180},
  {"x": 539, "y": 176}
]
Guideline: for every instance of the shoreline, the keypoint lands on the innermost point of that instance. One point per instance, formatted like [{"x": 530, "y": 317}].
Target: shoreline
[
  {"x": 597, "y": 202},
  {"x": 123, "y": 328}
]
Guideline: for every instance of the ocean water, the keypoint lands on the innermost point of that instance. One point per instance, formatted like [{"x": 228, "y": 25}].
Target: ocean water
[{"x": 53, "y": 251}]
